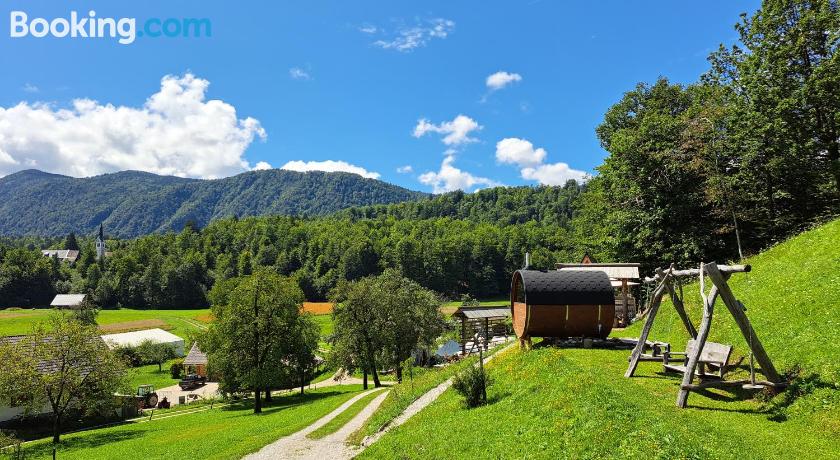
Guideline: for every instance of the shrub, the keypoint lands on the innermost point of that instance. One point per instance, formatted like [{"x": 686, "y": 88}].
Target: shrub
[
  {"x": 472, "y": 383},
  {"x": 128, "y": 355},
  {"x": 177, "y": 368}
]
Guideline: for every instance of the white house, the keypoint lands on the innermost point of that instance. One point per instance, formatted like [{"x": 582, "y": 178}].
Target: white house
[{"x": 135, "y": 338}]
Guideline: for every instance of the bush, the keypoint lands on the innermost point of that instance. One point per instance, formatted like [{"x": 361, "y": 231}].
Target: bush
[
  {"x": 129, "y": 356},
  {"x": 10, "y": 445},
  {"x": 472, "y": 383},
  {"x": 177, "y": 368}
]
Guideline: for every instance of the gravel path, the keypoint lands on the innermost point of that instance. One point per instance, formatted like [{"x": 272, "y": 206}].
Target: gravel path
[{"x": 334, "y": 446}]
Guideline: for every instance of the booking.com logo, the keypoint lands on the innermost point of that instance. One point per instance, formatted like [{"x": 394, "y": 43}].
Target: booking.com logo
[{"x": 90, "y": 26}]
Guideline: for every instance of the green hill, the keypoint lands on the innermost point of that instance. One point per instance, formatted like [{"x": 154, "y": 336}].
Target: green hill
[
  {"x": 132, "y": 203},
  {"x": 573, "y": 403}
]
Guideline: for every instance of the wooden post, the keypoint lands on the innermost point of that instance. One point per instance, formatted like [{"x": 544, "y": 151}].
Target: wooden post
[
  {"x": 737, "y": 309},
  {"x": 678, "y": 305},
  {"x": 654, "y": 307},
  {"x": 486, "y": 333},
  {"x": 700, "y": 341},
  {"x": 626, "y": 318},
  {"x": 463, "y": 335}
]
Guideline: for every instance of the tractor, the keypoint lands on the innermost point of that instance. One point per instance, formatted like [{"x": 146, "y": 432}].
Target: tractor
[{"x": 146, "y": 397}]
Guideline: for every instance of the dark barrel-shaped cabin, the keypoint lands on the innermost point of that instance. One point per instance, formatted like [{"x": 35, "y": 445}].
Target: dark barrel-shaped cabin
[{"x": 562, "y": 303}]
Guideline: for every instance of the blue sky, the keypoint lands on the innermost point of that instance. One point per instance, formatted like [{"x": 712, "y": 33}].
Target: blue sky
[{"x": 345, "y": 82}]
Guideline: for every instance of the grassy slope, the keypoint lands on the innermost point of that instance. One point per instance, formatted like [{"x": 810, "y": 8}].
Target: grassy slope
[
  {"x": 792, "y": 297},
  {"x": 569, "y": 403},
  {"x": 228, "y": 432}
]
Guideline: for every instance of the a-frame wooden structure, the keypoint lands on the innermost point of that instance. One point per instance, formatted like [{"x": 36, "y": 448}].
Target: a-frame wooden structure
[{"x": 718, "y": 276}]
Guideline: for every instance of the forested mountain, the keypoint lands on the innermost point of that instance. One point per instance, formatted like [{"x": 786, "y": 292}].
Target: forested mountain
[
  {"x": 499, "y": 205},
  {"x": 132, "y": 203}
]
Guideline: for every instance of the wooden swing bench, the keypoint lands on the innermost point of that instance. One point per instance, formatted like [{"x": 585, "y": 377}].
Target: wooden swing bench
[{"x": 714, "y": 355}]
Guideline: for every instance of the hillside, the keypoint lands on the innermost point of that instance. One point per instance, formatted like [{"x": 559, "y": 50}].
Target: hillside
[
  {"x": 574, "y": 403},
  {"x": 132, "y": 203}
]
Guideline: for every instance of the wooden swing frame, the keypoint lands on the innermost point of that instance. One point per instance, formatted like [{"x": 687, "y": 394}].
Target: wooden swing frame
[{"x": 718, "y": 275}]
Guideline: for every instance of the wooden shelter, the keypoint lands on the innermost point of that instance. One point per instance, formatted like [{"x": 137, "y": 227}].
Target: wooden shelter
[
  {"x": 196, "y": 361},
  {"x": 485, "y": 321},
  {"x": 622, "y": 276},
  {"x": 562, "y": 304},
  {"x": 700, "y": 351}
]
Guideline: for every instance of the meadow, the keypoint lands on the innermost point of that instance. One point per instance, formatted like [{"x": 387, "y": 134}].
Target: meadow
[{"x": 222, "y": 432}]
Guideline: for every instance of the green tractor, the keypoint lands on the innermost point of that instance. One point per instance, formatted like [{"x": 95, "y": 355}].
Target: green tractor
[{"x": 146, "y": 396}]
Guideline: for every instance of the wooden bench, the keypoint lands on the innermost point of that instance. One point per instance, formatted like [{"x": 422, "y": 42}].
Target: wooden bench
[{"x": 714, "y": 355}]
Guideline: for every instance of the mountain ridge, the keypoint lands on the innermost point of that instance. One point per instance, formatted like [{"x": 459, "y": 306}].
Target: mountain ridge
[{"x": 133, "y": 203}]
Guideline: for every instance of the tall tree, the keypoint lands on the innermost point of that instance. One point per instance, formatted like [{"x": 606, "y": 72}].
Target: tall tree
[
  {"x": 248, "y": 341},
  {"x": 63, "y": 364}
]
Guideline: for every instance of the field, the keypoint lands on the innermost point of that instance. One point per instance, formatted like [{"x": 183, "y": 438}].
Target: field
[
  {"x": 183, "y": 323},
  {"x": 149, "y": 375},
  {"x": 573, "y": 403},
  {"x": 222, "y": 432}
]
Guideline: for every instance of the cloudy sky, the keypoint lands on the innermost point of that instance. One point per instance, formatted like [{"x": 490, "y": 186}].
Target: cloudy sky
[{"x": 433, "y": 95}]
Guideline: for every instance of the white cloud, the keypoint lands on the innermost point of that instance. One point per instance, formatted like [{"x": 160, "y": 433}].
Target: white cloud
[
  {"x": 329, "y": 166},
  {"x": 456, "y": 132},
  {"x": 500, "y": 79},
  {"x": 532, "y": 164},
  {"x": 368, "y": 29},
  {"x": 402, "y": 169},
  {"x": 553, "y": 174},
  {"x": 30, "y": 88},
  {"x": 450, "y": 178},
  {"x": 519, "y": 152},
  {"x": 262, "y": 166},
  {"x": 176, "y": 132},
  {"x": 299, "y": 74},
  {"x": 411, "y": 37}
]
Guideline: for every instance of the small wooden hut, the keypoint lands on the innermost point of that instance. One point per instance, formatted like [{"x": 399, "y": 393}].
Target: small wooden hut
[
  {"x": 196, "y": 361},
  {"x": 485, "y": 321},
  {"x": 561, "y": 303}
]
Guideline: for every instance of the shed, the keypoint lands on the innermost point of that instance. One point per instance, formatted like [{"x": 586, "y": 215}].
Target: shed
[
  {"x": 622, "y": 276},
  {"x": 196, "y": 361},
  {"x": 68, "y": 301},
  {"x": 486, "y": 321},
  {"x": 561, "y": 303},
  {"x": 135, "y": 338}
]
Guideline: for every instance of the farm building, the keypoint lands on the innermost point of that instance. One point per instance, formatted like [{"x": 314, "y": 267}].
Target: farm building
[
  {"x": 196, "y": 361},
  {"x": 561, "y": 303},
  {"x": 64, "y": 255},
  {"x": 623, "y": 276},
  {"x": 135, "y": 338},
  {"x": 68, "y": 301}
]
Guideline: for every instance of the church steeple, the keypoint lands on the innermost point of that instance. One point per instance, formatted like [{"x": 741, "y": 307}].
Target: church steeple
[{"x": 100, "y": 244}]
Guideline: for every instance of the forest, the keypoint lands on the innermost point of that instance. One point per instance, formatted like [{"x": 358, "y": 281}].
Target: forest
[{"x": 728, "y": 165}]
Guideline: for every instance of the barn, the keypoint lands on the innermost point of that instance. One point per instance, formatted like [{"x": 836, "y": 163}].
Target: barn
[{"x": 561, "y": 303}]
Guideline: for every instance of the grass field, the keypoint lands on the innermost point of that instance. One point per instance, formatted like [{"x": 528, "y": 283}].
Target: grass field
[
  {"x": 149, "y": 375},
  {"x": 183, "y": 323},
  {"x": 449, "y": 307},
  {"x": 219, "y": 433},
  {"x": 574, "y": 403}
]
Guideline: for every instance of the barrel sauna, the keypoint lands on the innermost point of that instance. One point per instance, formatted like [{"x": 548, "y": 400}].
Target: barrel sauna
[{"x": 561, "y": 303}]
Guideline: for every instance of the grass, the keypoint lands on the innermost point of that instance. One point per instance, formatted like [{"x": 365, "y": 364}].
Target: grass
[
  {"x": 149, "y": 375},
  {"x": 403, "y": 394},
  {"x": 449, "y": 307},
  {"x": 224, "y": 432},
  {"x": 341, "y": 419},
  {"x": 183, "y": 323},
  {"x": 575, "y": 403}
]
